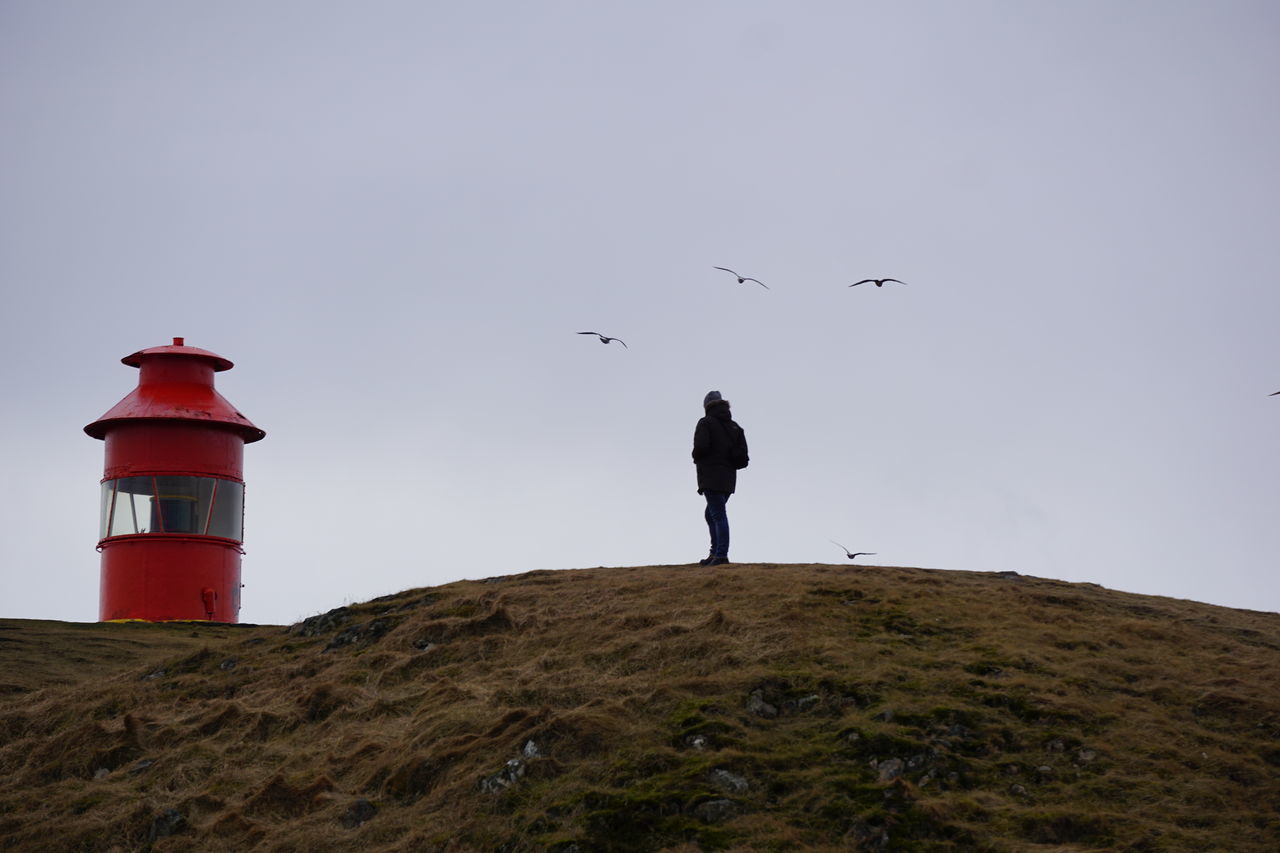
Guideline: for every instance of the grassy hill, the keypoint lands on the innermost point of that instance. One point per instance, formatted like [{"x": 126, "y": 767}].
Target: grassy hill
[{"x": 748, "y": 707}]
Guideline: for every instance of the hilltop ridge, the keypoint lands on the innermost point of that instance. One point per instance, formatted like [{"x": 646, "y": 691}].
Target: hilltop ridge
[{"x": 748, "y": 707}]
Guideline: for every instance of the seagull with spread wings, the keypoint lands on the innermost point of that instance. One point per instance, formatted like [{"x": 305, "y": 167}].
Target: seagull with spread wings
[
  {"x": 742, "y": 279},
  {"x": 878, "y": 282},
  {"x": 852, "y": 554},
  {"x": 604, "y": 339}
]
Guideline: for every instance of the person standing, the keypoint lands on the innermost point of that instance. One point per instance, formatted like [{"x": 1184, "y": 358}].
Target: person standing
[{"x": 719, "y": 451}]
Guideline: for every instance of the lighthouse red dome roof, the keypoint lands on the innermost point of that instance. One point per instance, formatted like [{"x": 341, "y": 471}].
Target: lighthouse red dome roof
[{"x": 176, "y": 383}]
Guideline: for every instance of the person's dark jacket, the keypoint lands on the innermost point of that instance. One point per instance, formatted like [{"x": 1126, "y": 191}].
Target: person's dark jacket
[{"x": 711, "y": 444}]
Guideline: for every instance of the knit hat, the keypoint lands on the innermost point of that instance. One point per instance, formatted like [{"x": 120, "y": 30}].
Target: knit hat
[{"x": 712, "y": 398}]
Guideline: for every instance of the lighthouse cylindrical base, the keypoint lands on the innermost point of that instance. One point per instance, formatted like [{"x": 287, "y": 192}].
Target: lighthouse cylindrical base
[{"x": 160, "y": 578}]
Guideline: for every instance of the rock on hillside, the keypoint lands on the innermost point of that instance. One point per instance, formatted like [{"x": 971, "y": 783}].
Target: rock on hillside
[{"x": 748, "y": 707}]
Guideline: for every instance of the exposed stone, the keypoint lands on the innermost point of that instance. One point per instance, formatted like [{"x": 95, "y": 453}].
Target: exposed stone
[
  {"x": 228, "y": 664},
  {"x": 531, "y": 750},
  {"x": 1087, "y": 755},
  {"x": 890, "y": 769},
  {"x": 1017, "y": 790},
  {"x": 169, "y": 822},
  {"x": 323, "y": 623},
  {"x": 885, "y": 716},
  {"x": 154, "y": 674},
  {"x": 366, "y": 633},
  {"x": 804, "y": 703},
  {"x": 867, "y": 837},
  {"x": 716, "y": 811},
  {"x": 698, "y": 742},
  {"x": 359, "y": 812},
  {"x": 759, "y": 707},
  {"x": 727, "y": 782},
  {"x": 101, "y": 773},
  {"x": 511, "y": 773},
  {"x": 141, "y": 766}
]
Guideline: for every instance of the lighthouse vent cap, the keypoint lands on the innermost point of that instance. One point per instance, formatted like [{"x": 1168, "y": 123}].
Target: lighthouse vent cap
[{"x": 178, "y": 347}]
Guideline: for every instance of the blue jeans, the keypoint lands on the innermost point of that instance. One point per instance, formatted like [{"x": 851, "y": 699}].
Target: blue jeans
[{"x": 717, "y": 522}]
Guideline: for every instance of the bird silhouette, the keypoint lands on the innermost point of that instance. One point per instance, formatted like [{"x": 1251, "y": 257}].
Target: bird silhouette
[
  {"x": 878, "y": 282},
  {"x": 742, "y": 278},
  {"x": 852, "y": 554},
  {"x": 604, "y": 339},
  {"x": 1272, "y": 395}
]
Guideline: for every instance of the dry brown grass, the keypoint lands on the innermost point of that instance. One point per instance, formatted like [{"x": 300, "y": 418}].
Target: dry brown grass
[{"x": 913, "y": 710}]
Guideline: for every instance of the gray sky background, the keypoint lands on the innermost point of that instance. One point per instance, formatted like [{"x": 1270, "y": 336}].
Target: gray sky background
[{"x": 393, "y": 217}]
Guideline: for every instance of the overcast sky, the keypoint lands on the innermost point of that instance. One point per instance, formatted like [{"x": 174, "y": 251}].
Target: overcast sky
[{"x": 394, "y": 217}]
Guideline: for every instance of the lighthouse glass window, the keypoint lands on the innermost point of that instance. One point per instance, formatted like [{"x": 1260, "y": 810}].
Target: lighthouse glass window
[{"x": 203, "y": 506}]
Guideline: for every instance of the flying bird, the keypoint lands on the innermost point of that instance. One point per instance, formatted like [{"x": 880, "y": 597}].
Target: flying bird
[
  {"x": 604, "y": 339},
  {"x": 878, "y": 282},
  {"x": 852, "y": 554},
  {"x": 1272, "y": 395},
  {"x": 742, "y": 278}
]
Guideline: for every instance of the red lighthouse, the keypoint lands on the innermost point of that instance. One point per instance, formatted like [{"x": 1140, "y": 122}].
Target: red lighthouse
[{"x": 172, "y": 517}]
